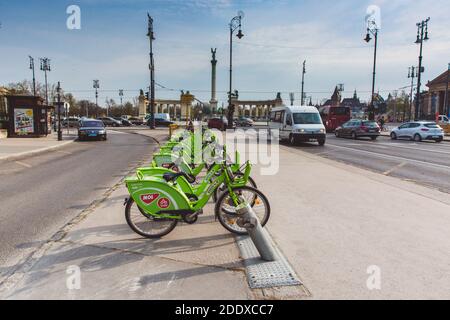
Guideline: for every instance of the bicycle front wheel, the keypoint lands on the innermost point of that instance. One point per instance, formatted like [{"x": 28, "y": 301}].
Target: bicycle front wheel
[
  {"x": 225, "y": 208},
  {"x": 223, "y": 187},
  {"x": 145, "y": 224}
]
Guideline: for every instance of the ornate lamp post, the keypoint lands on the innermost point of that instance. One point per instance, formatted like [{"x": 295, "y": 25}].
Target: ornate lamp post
[
  {"x": 235, "y": 24},
  {"x": 372, "y": 29},
  {"x": 45, "y": 66},
  {"x": 422, "y": 35},
  {"x": 96, "y": 86},
  {"x": 34, "y": 78},
  {"x": 151, "y": 66}
]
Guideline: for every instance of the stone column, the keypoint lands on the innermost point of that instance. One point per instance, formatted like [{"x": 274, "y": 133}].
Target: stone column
[{"x": 213, "y": 101}]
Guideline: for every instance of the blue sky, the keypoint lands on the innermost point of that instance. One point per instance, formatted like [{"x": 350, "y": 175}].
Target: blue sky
[{"x": 112, "y": 45}]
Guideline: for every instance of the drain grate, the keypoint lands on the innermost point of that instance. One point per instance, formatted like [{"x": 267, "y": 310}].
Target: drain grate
[{"x": 265, "y": 274}]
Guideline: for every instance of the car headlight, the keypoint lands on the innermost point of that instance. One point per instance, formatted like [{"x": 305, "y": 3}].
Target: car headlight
[
  {"x": 102, "y": 132},
  {"x": 299, "y": 130},
  {"x": 321, "y": 130},
  {"x": 82, "y": 132}
]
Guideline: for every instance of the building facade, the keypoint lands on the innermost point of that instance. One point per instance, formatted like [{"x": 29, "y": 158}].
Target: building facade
[
  {"x": 3, "y": 112},
  {"x": 433, "y": 101}
]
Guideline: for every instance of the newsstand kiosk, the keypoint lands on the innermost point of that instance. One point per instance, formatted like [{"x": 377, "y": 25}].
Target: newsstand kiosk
[{"x": 28, "y": 117}]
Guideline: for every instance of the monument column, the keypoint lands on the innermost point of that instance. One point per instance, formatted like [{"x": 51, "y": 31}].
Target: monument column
[{"x": 213, "y": 101}]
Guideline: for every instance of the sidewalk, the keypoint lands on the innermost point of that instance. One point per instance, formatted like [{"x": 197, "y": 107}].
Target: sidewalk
[
  {"x": 16, "y": 148},
  {"x": 199, "y": 261},
  {"x": 337, "y": 223}
]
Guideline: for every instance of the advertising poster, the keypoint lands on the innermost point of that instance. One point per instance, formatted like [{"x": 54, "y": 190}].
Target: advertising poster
[{"x": 23, "y": 121}]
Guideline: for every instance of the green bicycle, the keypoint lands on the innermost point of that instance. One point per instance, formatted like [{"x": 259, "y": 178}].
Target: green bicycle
[{"x": 157, "y": 204}]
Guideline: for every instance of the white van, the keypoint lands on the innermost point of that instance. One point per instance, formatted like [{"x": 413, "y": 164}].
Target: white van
[{"x": 298, "y": 124}]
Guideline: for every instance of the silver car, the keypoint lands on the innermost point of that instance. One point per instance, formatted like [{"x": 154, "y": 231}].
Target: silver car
[{"x": 418, "y": 131}]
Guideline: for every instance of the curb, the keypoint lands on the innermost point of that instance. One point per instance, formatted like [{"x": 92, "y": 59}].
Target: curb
[{"x": 25, "y": 154}]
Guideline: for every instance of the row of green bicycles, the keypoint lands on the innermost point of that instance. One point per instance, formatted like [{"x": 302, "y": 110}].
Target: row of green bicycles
[{"x": 188, "y": 171}]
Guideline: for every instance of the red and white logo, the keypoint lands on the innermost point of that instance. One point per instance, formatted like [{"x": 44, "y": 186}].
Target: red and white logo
[
  {"x": 149, "y": 198},
  {"x": 163, "y": 203}
]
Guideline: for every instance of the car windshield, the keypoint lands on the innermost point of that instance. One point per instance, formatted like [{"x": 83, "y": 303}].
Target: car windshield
[
  {"x": 431, "y": 125},
  {"x": 370, "y": 124},
  {"x": 306, "y": 118},
  {"x": 92, "y": 124}
]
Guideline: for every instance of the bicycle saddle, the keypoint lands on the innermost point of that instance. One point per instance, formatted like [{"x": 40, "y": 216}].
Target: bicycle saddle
[{"x": 172, "y": 176}]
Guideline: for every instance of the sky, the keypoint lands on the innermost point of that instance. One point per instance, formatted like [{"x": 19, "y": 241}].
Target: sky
[{"x": 278, "y": 35}]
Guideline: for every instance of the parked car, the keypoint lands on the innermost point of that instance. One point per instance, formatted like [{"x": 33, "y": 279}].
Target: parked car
[
  {"x": 92, "y": 129},
  {"x": 136, "y": 121},
  {"x": 298, "y": 124},
  {"x": 220, "y": 123},
  {"x": 108, "y": 121},
  {"x": 356, "y": 128},
  {"x": 244, "y": 122},
  {"x": 418, "y": 131},
  {"x": 443, "y": 119},
  {"x": 160, "y": 122},
  {"x": 165, "y": 116},
  {"x": 124, "y": 121},
  {"x": 72, "y": 122}
]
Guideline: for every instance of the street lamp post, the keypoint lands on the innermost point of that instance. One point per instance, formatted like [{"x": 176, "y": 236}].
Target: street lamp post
[
  {"x": 151, "y": 66},
  {"x": 422, "y": 35},
  {"x": 45, "y": 66},
  {"x": 121, "y": 96},
  {"x": 412, "y": 73},
  {"x": 372, "y": 29},
  {"x": 58, "y": 90},
  {"x": 303, "y": 83},
  {"x": 34, "y": 78},
  {"x": 235, "y": 23},
  {"x": 96, "y": 86}
]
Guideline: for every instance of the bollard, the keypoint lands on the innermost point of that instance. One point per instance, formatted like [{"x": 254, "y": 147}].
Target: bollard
[{"x": 248, "y": 220}]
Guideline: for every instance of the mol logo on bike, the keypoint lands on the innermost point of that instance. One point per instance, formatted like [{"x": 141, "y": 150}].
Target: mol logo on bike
[
  {"x": 163, "y": 203},
  {"x": 149, "y": 198}
]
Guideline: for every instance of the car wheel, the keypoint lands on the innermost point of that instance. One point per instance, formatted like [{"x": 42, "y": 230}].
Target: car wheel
[
  {"x": 373, "y": 138},
  {"x": 417, "y": 137},
  {"x": 393, "y": 136},
  {"x": 354, "y": 136},
  {"x": 438, "y": 140},
  {"x": 321, "y": 142},
  {"x": 336, "y": 133}
]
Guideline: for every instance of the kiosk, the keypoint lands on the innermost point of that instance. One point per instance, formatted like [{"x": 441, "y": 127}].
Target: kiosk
[{"x": 27, "y": 117}]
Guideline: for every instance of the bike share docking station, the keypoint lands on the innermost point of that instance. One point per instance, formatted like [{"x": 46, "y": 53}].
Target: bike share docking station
[{"x": 265, "y": 265}]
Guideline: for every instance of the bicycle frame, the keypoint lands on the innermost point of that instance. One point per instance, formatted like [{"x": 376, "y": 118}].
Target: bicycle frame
[{"x": 156, "y": 197}]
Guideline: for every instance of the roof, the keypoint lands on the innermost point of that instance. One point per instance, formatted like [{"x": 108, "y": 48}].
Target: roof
[
  {"x": 297, "y": 108},
  {"x": 442, "y": 78}
]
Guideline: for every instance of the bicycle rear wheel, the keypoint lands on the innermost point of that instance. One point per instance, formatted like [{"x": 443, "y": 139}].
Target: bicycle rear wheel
[
  {"x": 225, "y": 209},
  {"x": 145, "y": 224}
]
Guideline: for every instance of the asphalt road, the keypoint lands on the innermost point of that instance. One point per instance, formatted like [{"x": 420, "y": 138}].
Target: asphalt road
[
  {"x": 426, "y": 163},
  {"x": 41, "y": 194}
]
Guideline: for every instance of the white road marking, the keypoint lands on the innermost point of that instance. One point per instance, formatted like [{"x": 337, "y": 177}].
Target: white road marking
[
  {"x": 388, "y": 172},
  {"x": 411, "y": 148},
  {"x": 24, "y": 164},
  {"x": 64, "y": 152},
  {"x": 385, "y": 156}
]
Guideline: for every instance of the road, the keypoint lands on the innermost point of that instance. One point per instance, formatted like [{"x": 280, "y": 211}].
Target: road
[
  {"x": 41, "y": 194},
  {"x": 426, "y": 163}
]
